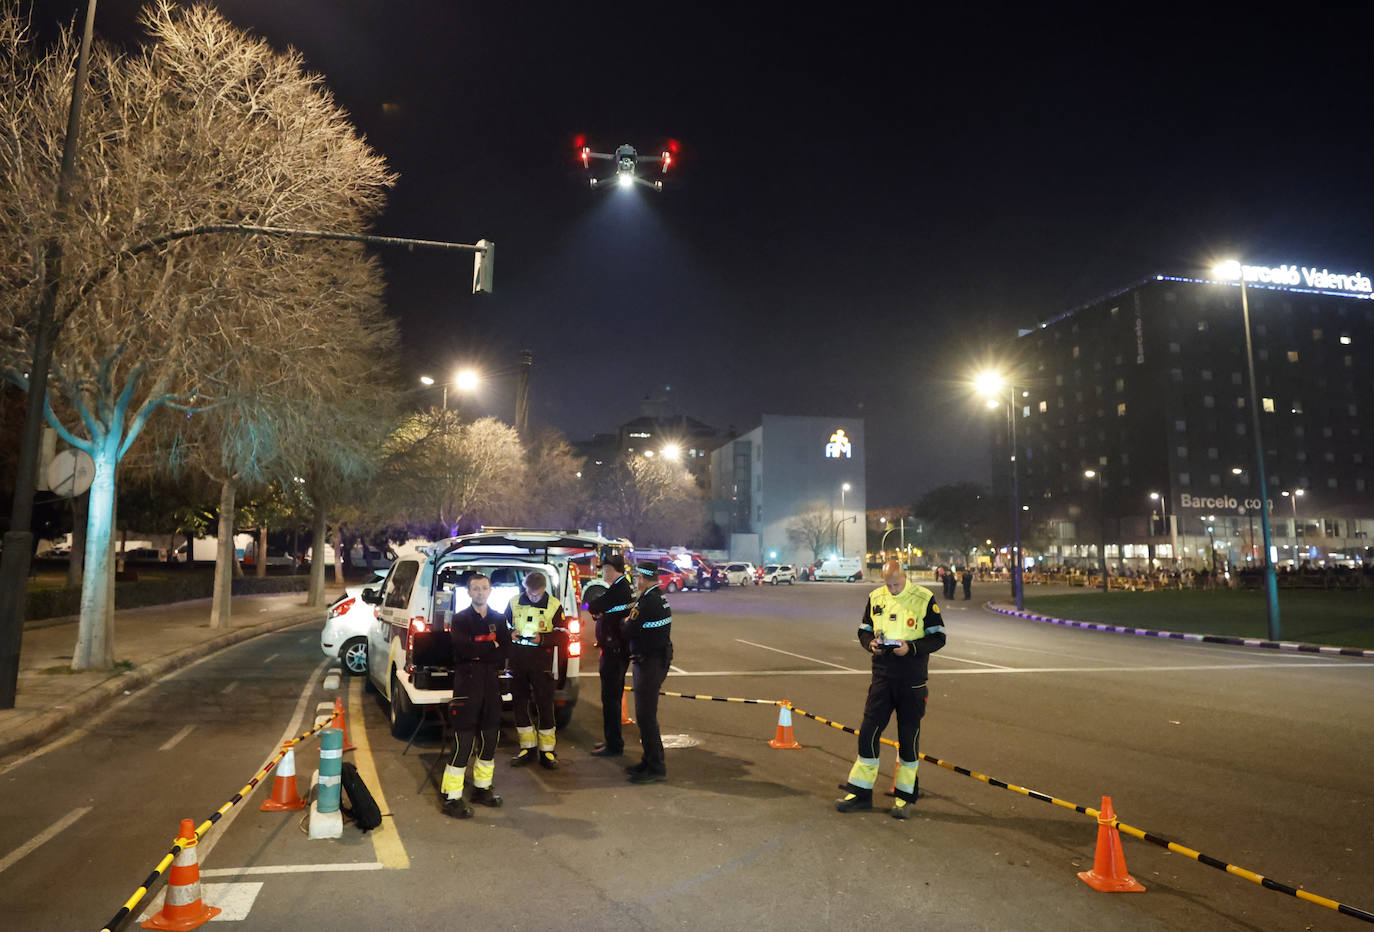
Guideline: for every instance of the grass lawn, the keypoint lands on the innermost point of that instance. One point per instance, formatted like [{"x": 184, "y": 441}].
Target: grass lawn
[{"x": 1344, "y": 619}]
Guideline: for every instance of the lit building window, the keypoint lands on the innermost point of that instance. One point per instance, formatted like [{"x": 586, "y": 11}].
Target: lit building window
[
  {"x": 1121, "y": 410},
  {"x": 1121, "y": 385},
  {"x": 1345, "y": 340},
  {"x": 1292, "y": 355},
  {"x": 1075, "y": 352},
  {"x": 1240, "y": 402},
  {"x": 1268, "y": 404},
  {"x": 1202, "y": 325},
  {"x": 1316, "y": 335},
  {"x": 1044, "y": 406}
]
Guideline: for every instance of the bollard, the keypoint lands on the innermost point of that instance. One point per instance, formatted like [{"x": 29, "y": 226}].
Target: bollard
[
  {"x": 326, "y": 821},
  {"x": 331, "y": 767}
]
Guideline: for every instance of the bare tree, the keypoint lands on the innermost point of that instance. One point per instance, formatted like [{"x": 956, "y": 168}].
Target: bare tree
[
  {"x": 648, "y": 500},
  {"x": 205, "y": 125},
  {"x": 811, "y": 530},
  {"x": 554, "y": 494}
]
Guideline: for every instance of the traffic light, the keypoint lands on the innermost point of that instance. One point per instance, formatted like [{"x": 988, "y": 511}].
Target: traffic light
[{"x": 483, "y": 266}]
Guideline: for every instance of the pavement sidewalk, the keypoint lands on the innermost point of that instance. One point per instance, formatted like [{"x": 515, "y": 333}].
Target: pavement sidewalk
[{"x": 148, "y": 643}]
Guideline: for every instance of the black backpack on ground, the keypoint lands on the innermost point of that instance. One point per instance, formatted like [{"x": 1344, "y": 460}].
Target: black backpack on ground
[{"x": 358, "y": 802}]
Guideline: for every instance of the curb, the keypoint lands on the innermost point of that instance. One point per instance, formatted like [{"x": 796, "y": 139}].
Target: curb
[
  {"x": 1297, "y": 646},
  {"x": 41, "y": 726}
]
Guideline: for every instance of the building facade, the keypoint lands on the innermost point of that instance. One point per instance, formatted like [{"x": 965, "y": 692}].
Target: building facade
[
  {"x": 1148, "y": 389},
  {"x": 792, "y": 489}
]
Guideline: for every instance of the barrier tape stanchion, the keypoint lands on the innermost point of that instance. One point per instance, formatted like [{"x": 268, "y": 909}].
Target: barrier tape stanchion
[
  {"x": 1263, "y": 881},
  {"x": 663, "y": 692},
  {"x": 132, "y": 902}
]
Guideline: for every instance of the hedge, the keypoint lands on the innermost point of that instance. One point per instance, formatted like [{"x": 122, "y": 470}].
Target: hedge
[{"x": 58, "y": 603}]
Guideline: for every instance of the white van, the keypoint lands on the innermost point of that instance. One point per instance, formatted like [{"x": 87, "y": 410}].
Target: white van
[
  {"x": 850, "y": 569},
  {"x": 409, "y": 657}
]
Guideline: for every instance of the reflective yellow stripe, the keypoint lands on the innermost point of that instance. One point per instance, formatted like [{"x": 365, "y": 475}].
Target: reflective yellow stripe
[
  {"x": 452, "y": 785},
  {"x": 482, "y": 773},
  {"x": 864, "y": 772},
  {"x": 547, "y": 739},
  {"x": 526, "y": 735}
]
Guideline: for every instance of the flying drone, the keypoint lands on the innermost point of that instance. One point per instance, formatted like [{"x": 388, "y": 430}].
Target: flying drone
[{"x": 626, "y": 160}]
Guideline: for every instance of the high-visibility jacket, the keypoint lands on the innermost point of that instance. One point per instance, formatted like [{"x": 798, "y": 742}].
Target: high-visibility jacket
[
  {"x": 899, "y": 617},
  {"x": 529, "y": 620}
]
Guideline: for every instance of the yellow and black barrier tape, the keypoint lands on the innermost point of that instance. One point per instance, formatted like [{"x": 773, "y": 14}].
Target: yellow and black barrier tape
[
  {"x": 132, "y": 902},
  {"x": 663, "y": 692},
  {"x": 1175, "y": 847}
]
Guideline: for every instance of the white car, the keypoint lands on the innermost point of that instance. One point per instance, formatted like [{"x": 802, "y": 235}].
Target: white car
[
  {"x": 776, "y": 574},
  {"x": 739, "y": 574},
  {"x": 410, "y": 658},
  {"x": 346, "y": 625}
]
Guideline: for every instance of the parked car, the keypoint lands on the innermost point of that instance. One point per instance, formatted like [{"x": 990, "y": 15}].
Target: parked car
[
  {"x": 739, "y": 574},
  {"x": 409, "y": 657},
  {"x": 777, "y": 573},
  {"x": 346, "y": 624},
  {"x": 670, "y": 578}
]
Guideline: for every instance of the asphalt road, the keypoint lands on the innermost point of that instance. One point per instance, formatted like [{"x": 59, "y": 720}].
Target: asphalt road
[{"x": 1256, "y": 758}]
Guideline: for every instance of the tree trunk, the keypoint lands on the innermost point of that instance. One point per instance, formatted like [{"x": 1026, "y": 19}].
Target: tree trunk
[
  {"x": 225, "y": 559},
  {"x": 340, "y": 559},
  {"x": 77, "y": 558},
  {"x": 262, "y": 552},
  {"x": 94, "y": 635},
  {"x": 318, "y": 541}
]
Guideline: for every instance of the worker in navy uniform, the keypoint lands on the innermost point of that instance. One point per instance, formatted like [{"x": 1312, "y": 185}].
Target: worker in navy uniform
[
  {"x": 536, "y": 621},
  {"x": 481, "y": 638},
  {"x": 648, "y": 629},
  {"x": 609, "y": 610},
  {"x": 901, "y": 627}
]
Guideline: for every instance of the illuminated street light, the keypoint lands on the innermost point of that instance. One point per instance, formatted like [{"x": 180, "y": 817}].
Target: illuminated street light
[
  {"x": 1293, "y": 500},
  {"x": 1232, "y": 270},
  {"x": 467, "y": 380},
  {"x": 672, "y": 452},
  {"x": 1101, "y": 528},
  {"x": 426, "y": 380}
]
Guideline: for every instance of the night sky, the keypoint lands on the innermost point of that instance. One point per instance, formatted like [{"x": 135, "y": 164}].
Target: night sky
[{"x": 867, "y": 203}]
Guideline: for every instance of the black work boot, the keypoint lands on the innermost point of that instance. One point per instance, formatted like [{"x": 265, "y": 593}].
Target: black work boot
[
  {"x": 640, "y": 767},
  {"x": 547, "y": 760},
  {"x": 483, "y": 796},
  {"x": 526, "y": 756},
  {"x": 901, "y": 809},
  {"x": 855, "y": 801},
  {"x": 457, "y": 808}
]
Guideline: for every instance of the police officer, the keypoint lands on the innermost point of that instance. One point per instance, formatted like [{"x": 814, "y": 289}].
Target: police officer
[
  {"x": 536, "y": 620},
  {"x": 648, "y": 629},
  {"x": 480, "y": 639},
  {"x": 609, "y": 610},
  {"x": 901, "y": 627}
]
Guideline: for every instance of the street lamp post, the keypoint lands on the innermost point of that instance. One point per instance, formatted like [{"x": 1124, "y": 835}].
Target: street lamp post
[
  {"x": 1293, "y": 500},
  {"x": 1271, "y": 583},
  {"x": 1168, "y": 525},
  {"x": 843, "y": 489},
  {"x": 1101, "y": 528},
  {"x": 992, "y": 385}
]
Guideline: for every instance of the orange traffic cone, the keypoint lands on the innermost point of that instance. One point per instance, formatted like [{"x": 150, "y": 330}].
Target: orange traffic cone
[
  {"x": 285, "y": 797},
  {"x": 1109, "y": 873},
  {"x": 625, "y": 709},
  {"x": 338, "y": 722},
  {"x": 783, "y": 740},
  {"x": 183, "y": 909}
]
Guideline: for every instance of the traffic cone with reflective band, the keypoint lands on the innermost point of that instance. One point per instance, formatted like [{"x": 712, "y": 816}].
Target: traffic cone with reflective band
[
  {"x": 285, "y": 797},
  {"x": 1109, "y": 873},
  {"x": 338, "y": 722},
  {"x": 625, "y": 709},
  {"x": 183, "y": 909},
  {"x": 783, "y": 740}
]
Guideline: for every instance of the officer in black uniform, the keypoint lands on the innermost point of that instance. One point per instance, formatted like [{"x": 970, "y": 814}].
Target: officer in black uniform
[
  {"x": 609, "y": 610},
  {"x": 901, "y": 627},
  {"x": 536, "y": 623},
  {"x": 480, "y": 639},
  {"x": 648, "y": 629}
]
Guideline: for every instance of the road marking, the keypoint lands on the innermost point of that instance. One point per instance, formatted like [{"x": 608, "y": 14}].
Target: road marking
[
  {"x": 271, "y": 658},
  {"x": 176, "y": 738},
  {"x": 293, "y": 728},
  {"x": 675, "y": 669},
  {"x": 290, "y": 869},
  {"x": 1181, "y": 668},
  {"x": 235, "y": 900},
  {"x": 980, "y": 663},
  {"x": 230, "y": 688},
  {"x": 799, "y": 656},
  {"x": 48, "y": 834},
  {"x": 331, "y": 681},
  {"x": 386, "y": 841}
]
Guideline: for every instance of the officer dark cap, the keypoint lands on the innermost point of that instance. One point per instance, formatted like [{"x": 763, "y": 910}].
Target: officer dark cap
[
  {"x": 647, "y": 568},
  {"x": 614, "y": 559}
]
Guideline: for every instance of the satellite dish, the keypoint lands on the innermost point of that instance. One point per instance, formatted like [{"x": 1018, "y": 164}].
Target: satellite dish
[{"x": 70, "y": 473}]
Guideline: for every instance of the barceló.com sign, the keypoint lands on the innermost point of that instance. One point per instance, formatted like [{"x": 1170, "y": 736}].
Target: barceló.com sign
[{"x": 1223, "y": 501}]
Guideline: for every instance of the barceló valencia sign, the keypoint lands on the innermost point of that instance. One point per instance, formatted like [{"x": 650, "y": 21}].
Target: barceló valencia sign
[
  {"x": 1307, "y": 276},
  {"x": 839, "y": 447}
]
